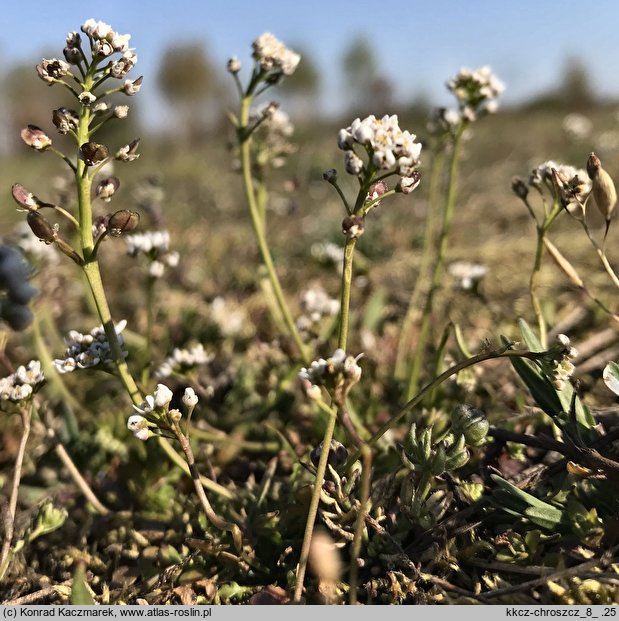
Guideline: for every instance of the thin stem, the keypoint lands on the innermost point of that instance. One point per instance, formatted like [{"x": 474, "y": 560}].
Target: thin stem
[
  {"x": 364, "y": 506},
  {"x": 63, "y": 157},
  {"x": 349, "y": 251},
  {"x": 215, "y": 519},
  {"x": 602, "y": 255},
  {"x": 437, "y": 275},
  {"x": 259, "y": 230},
  {"x": 424, "y": 268},
  {"x": 80, "y": 481},
  {"x": 313, "y": 508},
  {"x": 168, "y": 449},
  {"x": 9, "y": 522},
  {"x": 533, "y": 284}
]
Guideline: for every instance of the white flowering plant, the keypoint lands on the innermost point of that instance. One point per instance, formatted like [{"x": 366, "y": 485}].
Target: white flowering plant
[{"x": 237, "y": 430}]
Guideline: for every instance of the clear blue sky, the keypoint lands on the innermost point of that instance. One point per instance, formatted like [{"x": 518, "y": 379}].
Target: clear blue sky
[{"x": 418, "y": 44}]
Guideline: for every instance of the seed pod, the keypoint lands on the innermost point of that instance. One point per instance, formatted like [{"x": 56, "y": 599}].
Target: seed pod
[
  {"x": 41, "y": 227},
  {"x": 604, "y": 192},
  {"x": 24, "y": 198},
  {"x": 122, "y": 221},
  {"x": 36, "y": 138},
  {"x": 93, "y": 153}
]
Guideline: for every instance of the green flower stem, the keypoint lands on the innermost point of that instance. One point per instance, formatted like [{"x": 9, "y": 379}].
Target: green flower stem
[
  {"x": 313, "y": 508},
  {"x": 437, "y": 275},
  {"x": 364, "y": 507},
  {"x": 216, "y": 436},
  {"x": 259, "y": 230},
  {"x": 349, "y": 251},
  {"x": 150, "y": 319},
  {"x": 534, "y": 283},
  {"x": 502, "y": 352},
  {"x": 213, "y": 517},
  {"x": 174, "y": 457},
  {"x": 426, "y": 259},
  {"x": 9, "y": 522},
  {"x": 93, "y": 275}
]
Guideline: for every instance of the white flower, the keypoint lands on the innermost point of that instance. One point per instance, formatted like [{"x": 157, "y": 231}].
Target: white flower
[
  {"x": 162, "y": 396},
  {"x": 467, "y": 274},
  {"x": 138, "y": 425},
  {"x": 147, "y": 406},
  {"x": 476, "y": 91},
  {"x": 30, "y": 374},
  {"x": 389, "y": 146},
  {"x": 190, "y": 399},
  {"x": 273, "y": 55}
]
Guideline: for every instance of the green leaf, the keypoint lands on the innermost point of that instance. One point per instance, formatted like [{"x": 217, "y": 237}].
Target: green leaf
[
  {"x": 611, "y": 377},
  {"x": 81, "y": 595},
  {"x": 549, "y": 517},
  {"x": 529, "y": 337}
]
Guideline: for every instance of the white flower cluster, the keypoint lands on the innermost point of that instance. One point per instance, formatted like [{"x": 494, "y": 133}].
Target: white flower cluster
[
  {"x": 387, "y": 145},
  {"x": 182, "y": 360},
  {"x": 88, "y": 350},
  {"x": 274, "y": 56},
  {"x": 316, "y": 304},
  {"x": 574, "y": 183},
  {"x": 272, "y": 134},
  {"x": 467, "y": 274},
  {"x": 228, "y": 317},
  {"x": 143, "y": 423},
  {"x": 339, "y": 368},
  {"x": 476, "y": 91},
  {"x": 577, "y": 126},
  {"x": 563, "y": 367},
  {"x": 328, "y": 252},
  {"x": 21, "y": 385},
  {"x": 106, "y": 40},
  {"x": 155, "y": 246}
]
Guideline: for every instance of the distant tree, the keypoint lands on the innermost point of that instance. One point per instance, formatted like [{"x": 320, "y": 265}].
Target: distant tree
[
  {"x": 188, "y": 82},
  {"x": 370, "y": 91},
  {"x": 576, "y": 90}
]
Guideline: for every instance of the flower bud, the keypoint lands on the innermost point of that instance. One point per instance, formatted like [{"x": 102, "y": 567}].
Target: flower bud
[
  {"x": 190, "y": 399},
  {"x": 376, "y": 190},
  {"x": 41, "y": 227},
  {"x": 72, "y": 55},
  {"x": 93, "y": 153},
  {"x": 234, "y": 65},
  {"x": 471, "y": 423},
  {"x": 107, "y": 188},
  {"x": 519, "y": 188},
  {"x": 122, "y": 221},
  {"x": 36, "y": 138},
  {"x": 162, "y": 395},
  {"x": 175, "y": 415},
  {"x": 330, "y": 175}
]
